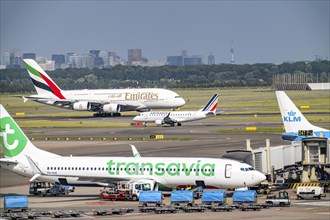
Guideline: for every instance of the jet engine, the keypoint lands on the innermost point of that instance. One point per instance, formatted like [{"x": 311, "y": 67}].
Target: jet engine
[
  {"x": 159, "y": 122},
  {"x": 81, "y": 106},
  {"x": 111, "y": 108}
]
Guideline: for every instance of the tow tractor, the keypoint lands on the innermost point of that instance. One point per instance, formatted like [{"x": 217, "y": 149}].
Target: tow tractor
[
  {"x": 45, "y": 189},
  {"x": 282, "y": 199}
]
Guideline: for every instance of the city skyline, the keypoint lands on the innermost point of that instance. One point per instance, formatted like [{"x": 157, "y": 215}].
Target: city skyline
[{"x": 259, "y": 32}]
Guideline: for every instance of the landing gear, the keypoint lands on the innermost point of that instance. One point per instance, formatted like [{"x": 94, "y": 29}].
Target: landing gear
[
  {"x": 104, "y": 114},
  {"x": 179, "y": 124}
]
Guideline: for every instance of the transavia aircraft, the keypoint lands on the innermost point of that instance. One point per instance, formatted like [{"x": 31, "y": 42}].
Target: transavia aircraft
[
  {"x": 296, "y": 125},
  {"x": 177, "y": 117},
  {"x": 103, "y": 101},
  {"x": 23, "y": 158}
]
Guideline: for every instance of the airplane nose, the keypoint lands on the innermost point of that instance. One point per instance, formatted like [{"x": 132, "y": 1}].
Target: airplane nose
[
  {"x": 135, "y": 118},
  {"x": 181, "y": 102},
  {"x": 260, "y": 177}
]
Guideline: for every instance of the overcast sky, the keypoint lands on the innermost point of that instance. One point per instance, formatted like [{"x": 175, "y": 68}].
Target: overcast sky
[{"x": 261, "y": 31}]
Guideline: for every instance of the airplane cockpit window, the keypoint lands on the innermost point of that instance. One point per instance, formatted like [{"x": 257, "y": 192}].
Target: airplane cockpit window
[{"x": 177, "y": 97}]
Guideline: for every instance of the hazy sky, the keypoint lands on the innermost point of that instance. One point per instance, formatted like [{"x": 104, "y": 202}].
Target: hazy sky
[{"x": 261, "y": 31}]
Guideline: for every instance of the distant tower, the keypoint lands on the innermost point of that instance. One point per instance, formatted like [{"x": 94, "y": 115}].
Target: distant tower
[
  {"x": 232, "y": 61},
  {"x": 210, "y": 59}
]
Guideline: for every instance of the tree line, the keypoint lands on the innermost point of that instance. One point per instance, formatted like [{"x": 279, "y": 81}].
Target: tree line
[{"x": 201, "y": 76}]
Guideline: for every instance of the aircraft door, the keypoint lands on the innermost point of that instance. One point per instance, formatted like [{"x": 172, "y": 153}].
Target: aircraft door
[{"x": 228, "y": 170}]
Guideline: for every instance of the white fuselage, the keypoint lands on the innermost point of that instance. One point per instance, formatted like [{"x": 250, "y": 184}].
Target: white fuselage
[
  {"x": 133, "y": 99},
  {"x": 179, "y": 116},
  {"x": 220, "y": 173}
]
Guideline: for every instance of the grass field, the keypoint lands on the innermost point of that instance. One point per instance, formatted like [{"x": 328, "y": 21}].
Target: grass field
[{"x": 254, "y": 104}]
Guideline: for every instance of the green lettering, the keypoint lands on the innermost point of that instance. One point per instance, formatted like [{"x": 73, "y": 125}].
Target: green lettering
[
  {"x": 208, "y": 166},
  {"x": 118, "y": 166},
  {"x": 160, "y": 166},
  {"x": 173, "y": 169},
  {"x": 110, "y": 163},
  {"x": 132, "y": 168},
  {"x": 187, "y": 171},
  {"x": 149, "y": 166},
  {"x": 197, "y": 167}
]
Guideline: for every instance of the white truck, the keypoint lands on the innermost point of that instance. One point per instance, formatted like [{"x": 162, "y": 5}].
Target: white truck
[
  {"x": 128, "y": 190},
  {"x": 310, "y": 192},
  {"x": 281, "y": 200}
]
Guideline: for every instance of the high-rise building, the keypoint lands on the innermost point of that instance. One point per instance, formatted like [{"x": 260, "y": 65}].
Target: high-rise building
[
  {"x": 184, "y": 59},
  {"x": 193, "y": 60},
  {"x": 98, "y": 61},
  {"x": 134, "y": 55},
  {"x": 210, "y": 59},
  {"x": 175, "y": 60},
  {"x": 59, "y": 60},
  {"x": 68, "y": 58},
  {"x": 105, "y": 57}
]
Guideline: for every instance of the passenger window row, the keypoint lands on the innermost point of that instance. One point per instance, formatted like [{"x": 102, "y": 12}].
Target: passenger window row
[{"x": 133, "y": 169}]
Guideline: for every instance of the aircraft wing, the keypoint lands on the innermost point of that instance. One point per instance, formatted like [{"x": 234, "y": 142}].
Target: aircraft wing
[{"x": 7, "y": 161}]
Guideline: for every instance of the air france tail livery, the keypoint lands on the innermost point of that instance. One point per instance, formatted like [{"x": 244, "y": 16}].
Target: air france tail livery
[
  {"x": 23, "y": 158},
  {"x": 177, "y": 117},
  {"x": 296, "y": 125},
  {"x": 105, "y": 101}
]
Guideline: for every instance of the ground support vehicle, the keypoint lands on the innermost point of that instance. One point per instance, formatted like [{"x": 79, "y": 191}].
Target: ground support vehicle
[
  {"x": 179, "y": 197},
  {"x": 193, "y": 209},
  {"x": 220, "y": 208},
  {"x": 49, "y": 189},
  {"x": 102, "y": 212},
  {"x": 282, "y": 199},
  {"x": 160, "y": 210},
  {"x": 310, "y": 192},
  {"x": 116, "y": 196},
  {"x": 213, "y": 197},
  {"x": 67, "y": 214},
  {"x": 127, "y": 190},
  {"x": 15, "y": 203},
  {"x": 122, "y": 211},
  {"x": 151, "y": 197},
  {"x": 135, "y": 187},
  {"x": 247, "y": 207},
  {"x": 244, "y": 197}
]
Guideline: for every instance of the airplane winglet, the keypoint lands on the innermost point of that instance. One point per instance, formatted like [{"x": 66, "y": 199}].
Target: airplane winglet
[
  {"x": 25, "y": 99},
  {"x": 135, "y": 151}
]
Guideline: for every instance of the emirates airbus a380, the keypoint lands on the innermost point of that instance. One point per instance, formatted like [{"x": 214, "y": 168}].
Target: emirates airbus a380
[{"x": 102, "y": 101}]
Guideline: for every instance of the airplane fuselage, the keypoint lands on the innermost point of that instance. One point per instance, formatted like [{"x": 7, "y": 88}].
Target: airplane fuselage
[
  {"x": 179, "y": 116},
  {"x": 171, "y": 172},
  {"x": 128, "y": 99}
]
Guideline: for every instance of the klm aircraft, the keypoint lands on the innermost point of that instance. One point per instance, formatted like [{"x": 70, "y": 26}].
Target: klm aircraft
[{"x": 295, "y": 123}]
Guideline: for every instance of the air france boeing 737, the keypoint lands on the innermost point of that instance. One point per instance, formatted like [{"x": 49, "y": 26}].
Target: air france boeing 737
[
  {"x": 103, "y": 101},
  {"x": 23, "y": 158},
  {"x": 295, "y": 123},
  {"x": 177, "y": 117}
]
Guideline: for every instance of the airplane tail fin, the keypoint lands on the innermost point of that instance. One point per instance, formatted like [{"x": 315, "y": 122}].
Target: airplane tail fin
[
  {"x": 14, "y": 142},
  {"x": 43, "y": 84},
  {"x": 292, "y": 118},
  {"x": 211, "y": 106}
]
